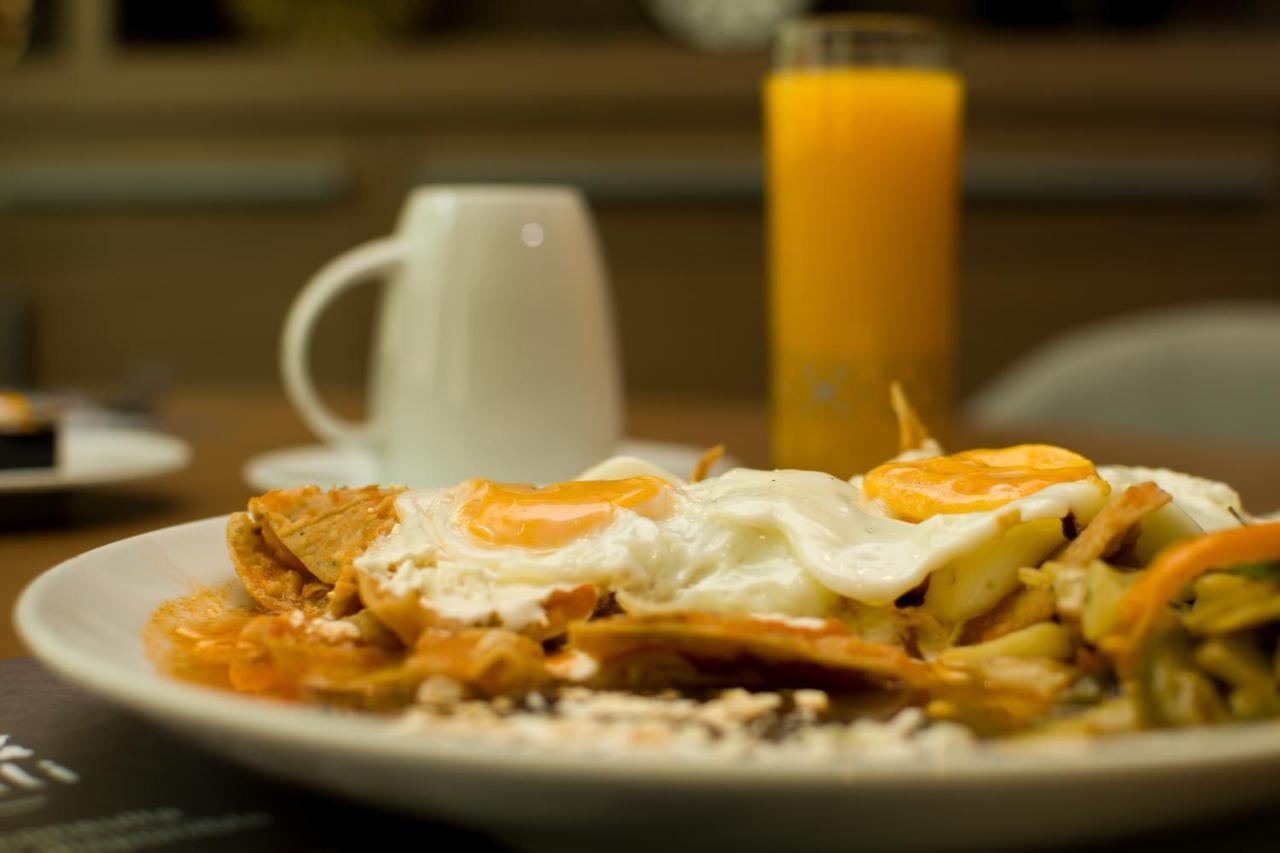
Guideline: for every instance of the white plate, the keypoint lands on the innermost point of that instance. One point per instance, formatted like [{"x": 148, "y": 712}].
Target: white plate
[
  {"x": 94, "y": 455},
  {"x": 84, "y": 620},
  {"x": 335, "y": 465}
]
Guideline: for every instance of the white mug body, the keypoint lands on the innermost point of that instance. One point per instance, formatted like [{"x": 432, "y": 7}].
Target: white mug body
[{"x": 495, "y": 353}]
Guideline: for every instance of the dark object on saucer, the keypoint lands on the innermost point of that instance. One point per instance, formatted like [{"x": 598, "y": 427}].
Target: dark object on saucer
[{"x": 28, "y": 432}]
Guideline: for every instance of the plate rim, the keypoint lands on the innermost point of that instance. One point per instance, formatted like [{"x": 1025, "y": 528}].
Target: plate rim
[{"x": 366, "y": 737}]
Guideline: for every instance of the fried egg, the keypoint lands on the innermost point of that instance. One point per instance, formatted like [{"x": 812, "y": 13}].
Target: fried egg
[{"x": 786, "y": 543}]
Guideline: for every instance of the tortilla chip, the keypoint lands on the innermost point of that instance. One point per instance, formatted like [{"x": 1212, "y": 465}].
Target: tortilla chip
[
  {"x": 474, "y": 662},
  {"x": 1106, "y": 532},
  {"x": 271, "y": 583},
  {"x": 704, "y": 650},
  {"x": 404, "y": 613},
  {"x": 344, "y": 598},
  {"x": 912, "y": 433},
  {"x": 486, "y": 661},
  {"x": 278, "y": 549},
  {"x": 563, "y": 608},
  {"x": 326, "y": 531},
  {"x": 711, "y": 457},
  {"x": 710, "y": 650},
  {"x": 275, "y": 509}
]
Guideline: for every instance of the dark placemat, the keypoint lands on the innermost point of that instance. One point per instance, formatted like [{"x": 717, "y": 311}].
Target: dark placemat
[{"x": 76, "y": 774}]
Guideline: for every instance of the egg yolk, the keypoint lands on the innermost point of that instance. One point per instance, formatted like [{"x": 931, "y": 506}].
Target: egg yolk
[
  {"x": 555, "y": 515},
  {"x": 974, "y": 480}
]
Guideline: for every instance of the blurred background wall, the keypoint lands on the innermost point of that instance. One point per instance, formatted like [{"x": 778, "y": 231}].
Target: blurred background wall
[{"x": 172, "y": 172}]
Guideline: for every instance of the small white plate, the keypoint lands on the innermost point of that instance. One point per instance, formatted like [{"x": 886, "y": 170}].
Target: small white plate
[
  {"x": 92, "y": 455},
  {"x": 84, "y": 620},
  {"x": 334, "y": 465}
]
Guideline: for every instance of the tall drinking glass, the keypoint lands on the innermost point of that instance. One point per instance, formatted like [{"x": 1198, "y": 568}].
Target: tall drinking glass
[{"x": 863, "y": 121}]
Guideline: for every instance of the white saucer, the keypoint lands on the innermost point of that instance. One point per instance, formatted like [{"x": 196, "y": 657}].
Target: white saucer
[
  {"x": 332, "y": 465},
  {"x": 92, "y": 455}
]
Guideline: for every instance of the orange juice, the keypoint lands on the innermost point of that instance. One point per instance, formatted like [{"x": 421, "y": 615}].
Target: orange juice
[{"x": 862, "y": 165}]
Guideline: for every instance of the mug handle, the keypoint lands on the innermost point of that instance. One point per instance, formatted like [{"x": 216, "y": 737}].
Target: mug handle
[{"x": 369, "y": 260}]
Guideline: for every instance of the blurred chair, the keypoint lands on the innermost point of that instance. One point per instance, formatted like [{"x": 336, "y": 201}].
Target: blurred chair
[{"x": 1209, "y": 370}]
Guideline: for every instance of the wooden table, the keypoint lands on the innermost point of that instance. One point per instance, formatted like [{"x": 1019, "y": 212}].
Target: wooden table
[{"x": 226, "y": 427}]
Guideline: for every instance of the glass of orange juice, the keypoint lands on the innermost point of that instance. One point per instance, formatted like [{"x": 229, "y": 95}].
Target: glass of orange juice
[{"x": 863, "y": 121}]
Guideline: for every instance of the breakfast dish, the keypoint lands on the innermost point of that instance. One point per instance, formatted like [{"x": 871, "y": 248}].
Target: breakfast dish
[{"x": 937, "y": 601}]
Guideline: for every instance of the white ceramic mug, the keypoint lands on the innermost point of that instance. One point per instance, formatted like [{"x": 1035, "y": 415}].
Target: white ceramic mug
[{"x": 495, "y": 353}]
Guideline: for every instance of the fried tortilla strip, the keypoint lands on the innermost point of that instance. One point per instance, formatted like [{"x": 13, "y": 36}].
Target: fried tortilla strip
[
  {"x": 271, "y": 583},
  {"x": 912, "y": 433},
  {"x": 711, "y": 457},
  {"x": 707, "y": 650},
  {"x": 1101, "y": 537},
  {"x": 563, "y": 608},
  {"x": 1019, "y": 609},
  {"x": 1105, "y": 533},
  {"x": 326, "y": 531}
]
